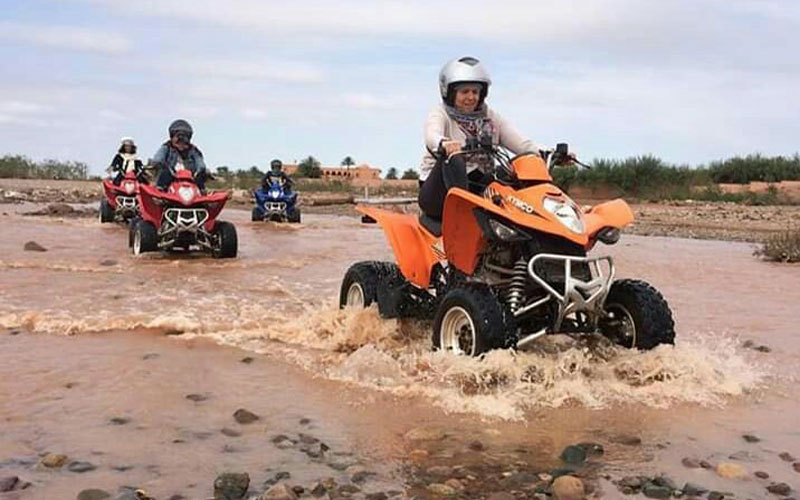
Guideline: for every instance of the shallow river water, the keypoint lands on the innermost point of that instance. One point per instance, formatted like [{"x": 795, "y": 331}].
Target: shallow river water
[{"x": 88, "y": 333}]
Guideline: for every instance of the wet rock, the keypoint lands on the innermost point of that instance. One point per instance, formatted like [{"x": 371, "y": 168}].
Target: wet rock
[
  {"x": 278, "y": 477},
  {"x": 279, "y": 492},
  {"x": 108, "y": 262},
  {"x": 731, "y": 471},
  {"x": 418, "y": 455},
  {"x": 455, "y": 484},
  {"x": 665, "y": 482},
  {"x": 340, "y": 466},
  {"x": 231, "y": 486},
  {"x": 425, "y": 434},
  {"x": 787, "y": 457},
  {"x": 53, "y": 460},
  {"x": 476, "y": 446},
  {"x": 706, "y": 464},
  {"x": 568, "y": 488},
  {"x": 122, "y": 468},
  {"x": 245, "y": 416},
  {"x": 744, "y": 456},
  {"x": 716, "y": 495},
  {"x": 305, "y": 421},
  {"x": 796, "y": 466},
  {"x": 283, "y": 442},
  {"x": 441, "y": 489},
  {"x": 306, "y": 439},
  {"x": 634, "y": 483},
  {"x": 8, "y": 483},
  {"x": 318, "y": 490},
  {"x": 377, "y": 496},
  {"x": 691, "y": 463},
  {"x": 298, "y": 490},
  {"x": 651, "y": 490},
  {"x": 361, "y": 476},
  {"x": 763, "y": 348},
  {"x": 247, "y": 360},
  {"x": 761, "y": 474},
  {"x": 518, "y": 480},
  {"x": 230, "y": 432},
  {"x": 574, "y": 455},
  {"x": 196, "y": 397},
  {"x": 81, "y": 467},
  {"x": 150, "y": 355},
  {"x": 748, "y": 344},
  {"x": 781, "y": 489},
  {"x": 750, "y": 438},
  {"x": 93, "y": 494},
  {"x": 501, "y": 496},
  {"x": 32, "y": 246},
  {"x": 627, "y": 440},
  {"x": 14, "y": 332},
  {"x": 592, "y": 449},
  {"x": 347, "y": 490},
  {"x": 694, "y": 490},
  {"x": 119, "y": 420}
]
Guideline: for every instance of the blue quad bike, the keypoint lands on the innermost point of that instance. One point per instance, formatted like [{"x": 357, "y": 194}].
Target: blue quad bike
[{"x": 273, "y": 203}]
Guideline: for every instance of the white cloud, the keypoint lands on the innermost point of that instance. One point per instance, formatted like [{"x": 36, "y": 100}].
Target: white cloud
[
  {"x": 365, "y": 100},
  {"x": 255, "y": 70},
  {"x": 65, "y": 37}
]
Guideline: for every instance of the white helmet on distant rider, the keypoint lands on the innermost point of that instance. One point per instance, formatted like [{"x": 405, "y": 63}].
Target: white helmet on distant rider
[{"x": 460, "y": 71}]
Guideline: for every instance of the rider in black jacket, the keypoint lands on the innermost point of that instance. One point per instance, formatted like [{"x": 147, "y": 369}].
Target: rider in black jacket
[
  {"x": 276, "y": 173},
  {"x": 126, "y": 161}
]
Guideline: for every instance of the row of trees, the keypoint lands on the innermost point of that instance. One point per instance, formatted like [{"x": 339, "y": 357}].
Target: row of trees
[
  {"x": 391, "y": 174},
  {"x": 22, "y": 167}
]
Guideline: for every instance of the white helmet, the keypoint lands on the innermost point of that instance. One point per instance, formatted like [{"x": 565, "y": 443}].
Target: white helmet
[
  {"x": 463, "y": 70},
  {"x": 127, "y": 140}
]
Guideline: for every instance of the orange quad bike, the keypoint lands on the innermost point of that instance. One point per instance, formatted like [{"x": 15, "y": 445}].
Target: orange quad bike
[{"x": 508, "y": 265}]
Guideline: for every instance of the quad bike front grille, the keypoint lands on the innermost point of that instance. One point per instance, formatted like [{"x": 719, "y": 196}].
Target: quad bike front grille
[
  {"x": 126, "y": 203},
  {"x": 580, "y": 293},
  {"x": 275, "y": 206}
]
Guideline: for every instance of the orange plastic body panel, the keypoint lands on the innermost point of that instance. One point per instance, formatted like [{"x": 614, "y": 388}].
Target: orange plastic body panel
[
  {"x": 615, "y": 213},
  {"x": 531, "y": 167},
  {"x": 412, "y": 245}
]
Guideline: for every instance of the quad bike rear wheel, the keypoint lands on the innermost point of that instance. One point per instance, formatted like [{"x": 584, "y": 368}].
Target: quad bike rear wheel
[
  {"x": 227, "y": 243},
  {"x": 638, "y": 316},
  {"x": 106, "y": 212},
  {"x": 294, "y": 216},
  {"x": 145, "y": 238},
  {"x": 360, "y": 285},
  {"x": 471, "y": 321}
]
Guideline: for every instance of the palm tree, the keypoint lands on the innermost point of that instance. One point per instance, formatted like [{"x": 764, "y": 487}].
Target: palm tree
[{"x": 348, "y": 162}]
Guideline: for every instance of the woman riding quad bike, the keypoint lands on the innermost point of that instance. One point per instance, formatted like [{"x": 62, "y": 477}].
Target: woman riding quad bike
[
  {"x": 120, "y": 202},
  {"x": 507, "y": 262}
]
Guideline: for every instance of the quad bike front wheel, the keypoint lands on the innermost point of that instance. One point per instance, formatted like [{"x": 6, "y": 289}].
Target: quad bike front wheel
[
  {"x": 132, "y": 230},
  {"x": 360, "y": 285},
  {"x": 471, "y": 321},
  {"x": 638, "y": 316},
  {"x": 145, "y": 238},
  {"x": 106, "y": 212},
  {"x": 227, "y": 243},
  {"x": 294, "y": 216},
  {"x": 255, "y": 216}
]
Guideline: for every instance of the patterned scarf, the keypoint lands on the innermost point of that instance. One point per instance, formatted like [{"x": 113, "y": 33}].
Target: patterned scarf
[{"x": 470, "y": 123}]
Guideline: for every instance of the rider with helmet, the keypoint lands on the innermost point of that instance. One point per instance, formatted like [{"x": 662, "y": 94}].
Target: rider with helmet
[
  {"x": 276, "y": 173},
  {"x": 462, "y": 115},
  {"x": 179, "y": 153},
  {"x": 126, "y": 161}
]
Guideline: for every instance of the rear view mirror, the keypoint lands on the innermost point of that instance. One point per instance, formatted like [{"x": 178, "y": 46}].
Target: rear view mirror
[{"x": 562, "y": 149}]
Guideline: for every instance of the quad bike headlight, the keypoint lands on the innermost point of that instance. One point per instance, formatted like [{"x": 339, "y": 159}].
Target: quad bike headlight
[
  {"x": 129, "y": 187},
  {"x": 502, "y": 231},
  {"x": 565, "y": 212},
  {"x": 275, "y": 193},
  {"x": 186, "y": 194}
]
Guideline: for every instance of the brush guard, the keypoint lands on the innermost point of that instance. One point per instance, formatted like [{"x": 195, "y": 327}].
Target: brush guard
[
  {"x": 126, "y": 205},
  {"x": 179, "y": 221},
  {"x": 274, "y": 208},
  {"x": 578, "y": 296}
]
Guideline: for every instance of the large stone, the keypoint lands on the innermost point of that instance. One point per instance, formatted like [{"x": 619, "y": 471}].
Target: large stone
[
  {"x": 8, "y": 483},
  {"x": 93, "y": 494},
  {"x": 280, "y": 491},
  {"x": 568, "y": 488},
  {"x": 787, "y": 457},
  {"x": 731, "y": 471},
  {"x": 651, "y": 490},
  {"x": 54, "y": 460},
  {"x": 245, "y": 416},
  {"x": 441, "y": 489},
  {"x": 425, "y": 434},
  {"x": 781, "y": 489},
  {"x": 796, "y": 466},
  {"x": 694, "y": 490},
  {"x": 751, "y": 438},
  {"x": 32, "y": 246},
  {"x": 691, "y": 463},
  {"x": 231, "y": 486},
  {"x": 574, "y": 455},
  {"x": 81, "y": 467}
]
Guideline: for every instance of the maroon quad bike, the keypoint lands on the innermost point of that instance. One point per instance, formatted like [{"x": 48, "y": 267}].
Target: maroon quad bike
[
  {"x": 182, "y": 218},
  {"x": 121, "y": 202}
]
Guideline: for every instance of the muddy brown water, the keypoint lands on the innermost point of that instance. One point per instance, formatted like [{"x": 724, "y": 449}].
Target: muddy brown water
[{"x": 88, "y": 314}]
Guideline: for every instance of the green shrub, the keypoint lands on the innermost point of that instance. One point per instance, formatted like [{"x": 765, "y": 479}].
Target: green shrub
[{"x": 782, "y": 247}]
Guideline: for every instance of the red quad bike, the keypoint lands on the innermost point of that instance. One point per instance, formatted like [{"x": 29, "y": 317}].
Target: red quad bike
[
  {"x": 182, "y": 218},
  {"x": 508, "y": 263},
  {"x": 121, "y": 202}
]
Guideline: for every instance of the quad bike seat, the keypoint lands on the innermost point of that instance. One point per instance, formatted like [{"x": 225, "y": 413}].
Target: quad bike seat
[{"x": 432, "y": 225}]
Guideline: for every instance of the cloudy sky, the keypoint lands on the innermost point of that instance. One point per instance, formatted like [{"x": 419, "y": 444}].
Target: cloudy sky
[{"x": 687, "y": 80}]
